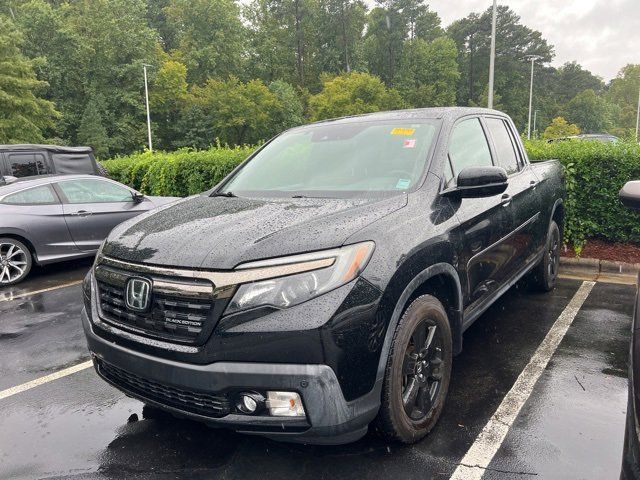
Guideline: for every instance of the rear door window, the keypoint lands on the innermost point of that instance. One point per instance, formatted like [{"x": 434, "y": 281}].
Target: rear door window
[
  {"x": 468, "y": 146},
  {"x": 73, "y": 163},
  {"x": 42, "y": 195},
  {"x": 503, "y": 143},
  {"x": 26, "y": 164}
]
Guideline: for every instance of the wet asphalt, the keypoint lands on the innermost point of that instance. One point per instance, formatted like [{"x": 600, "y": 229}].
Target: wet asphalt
[{"x": 571, "y": 426}]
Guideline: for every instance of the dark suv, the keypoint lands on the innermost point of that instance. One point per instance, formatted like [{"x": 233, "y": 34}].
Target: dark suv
[
  {"x": 30, "y": 160},
  {"x": 327, "y": 281}
]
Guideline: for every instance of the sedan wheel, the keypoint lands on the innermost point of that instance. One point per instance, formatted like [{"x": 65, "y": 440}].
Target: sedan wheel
[{"x": 15, "y": 261}]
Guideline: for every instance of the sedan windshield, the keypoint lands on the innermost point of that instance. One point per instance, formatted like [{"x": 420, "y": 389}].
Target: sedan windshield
[{"x": 336, "y": 158}]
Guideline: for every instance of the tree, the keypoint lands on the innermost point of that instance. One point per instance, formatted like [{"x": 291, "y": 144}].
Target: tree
[
  {"x": 514, "y": 43},
  {"x": 571, "y": 79},
  {"x": 560, "y": 128},
  {"x": 209, "y": 35},
  {"x": 351, "y": 94},
  {"x": 428, "y": 72},
  {"x": 230, "y": 111},
  {"x": 91, "y": 131},
  {"x": 623, "y": 92},
  {"x": 428, "y": 25},
  {"x": 340, "y": 26},
  {"x": 167, "y": 98},
  {"x": 24, "y": 115},
  {"x": 290, "y": 111},
  {"x": 589, "y": 112},
  {"x": 383, "y": 43},
  {"x": 283, "y": 36}
]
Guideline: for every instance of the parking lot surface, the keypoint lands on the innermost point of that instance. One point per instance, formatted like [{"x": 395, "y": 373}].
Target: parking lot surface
[{"x": 570, "y": 423}]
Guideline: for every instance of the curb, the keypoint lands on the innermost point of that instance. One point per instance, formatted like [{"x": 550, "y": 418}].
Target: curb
[{"x": 603, "y": 270}]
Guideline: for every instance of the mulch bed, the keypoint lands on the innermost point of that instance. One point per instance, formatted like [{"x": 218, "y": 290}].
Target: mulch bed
[{"x": 616, "y": 252}]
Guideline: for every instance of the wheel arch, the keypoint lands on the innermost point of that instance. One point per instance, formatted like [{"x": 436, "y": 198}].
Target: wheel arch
[
  {"x": 558, "y": 214},
  {"x": 440, "y": 280},
  {"x": 22, "y": 238}
]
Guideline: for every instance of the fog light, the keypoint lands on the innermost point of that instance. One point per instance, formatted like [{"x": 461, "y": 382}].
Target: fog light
[
  {"x": 285, "y": 404},
  {"x": 249, "y": 403}
]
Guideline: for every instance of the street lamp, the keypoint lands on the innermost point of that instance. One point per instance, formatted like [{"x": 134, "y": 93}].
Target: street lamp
[
  {"x": 533, "y": 58},
  {"x": 146, "y": 96},
  {"x": 492, "y": 58},
  {"x": 535, "y": 121},
  {"x": 638, "y": 117}
]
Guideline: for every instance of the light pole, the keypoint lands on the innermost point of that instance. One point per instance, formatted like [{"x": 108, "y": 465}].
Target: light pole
[
  {"x": 146, "y": 96},
  {"x": 533, "y": 58},
  {"x": 638, "y": 117},
  {"x": 535, "y": 120},
  {"x": 492, "y": 58}
]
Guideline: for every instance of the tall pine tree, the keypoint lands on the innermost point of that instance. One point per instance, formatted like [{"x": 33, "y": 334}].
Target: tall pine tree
[{"x": 23, "y": 115}]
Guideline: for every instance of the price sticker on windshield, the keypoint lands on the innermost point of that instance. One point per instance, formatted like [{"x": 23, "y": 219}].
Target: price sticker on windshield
[{"x": 405, "y": 132}]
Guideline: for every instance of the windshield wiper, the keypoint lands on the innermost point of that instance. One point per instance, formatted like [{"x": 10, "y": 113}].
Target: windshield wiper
[{"x": 223, "y": 194}]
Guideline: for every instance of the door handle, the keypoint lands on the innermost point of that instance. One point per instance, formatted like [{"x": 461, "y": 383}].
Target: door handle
[
  {"x": 505, "y": 200},
  {"x": 82, "y": 213}
]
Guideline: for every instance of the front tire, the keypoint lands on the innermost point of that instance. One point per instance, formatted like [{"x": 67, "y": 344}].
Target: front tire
[
  {"x": 545, "y": 274},
  {"x": 418, "y": 372},
  {"x": 15, "y": 261}
]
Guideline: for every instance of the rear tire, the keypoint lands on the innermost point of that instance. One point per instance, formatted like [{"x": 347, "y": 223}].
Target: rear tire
[
  {"x": 15, "y": 261},
  {"x": 545, "y": 274},
  {"x": 418, "y": 372}
]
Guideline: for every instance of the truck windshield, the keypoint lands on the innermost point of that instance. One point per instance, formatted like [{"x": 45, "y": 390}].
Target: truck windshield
[{"x": 333, "y": 159}]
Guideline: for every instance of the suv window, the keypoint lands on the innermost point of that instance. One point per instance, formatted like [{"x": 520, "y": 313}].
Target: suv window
[
  {"x": 505, "y": 150},
  {"x": 73, "y": 163},
  {"x": 94, "y": 191},
  {"x": 468, "y": 146},
  {"x": 27, "y": 164},
  {"x": 42, "y": 195}
]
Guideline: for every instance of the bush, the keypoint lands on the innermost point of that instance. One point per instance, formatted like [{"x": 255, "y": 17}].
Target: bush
[
  {"x": 595, "y": 172},
  {"x": 180, "y": 173}
]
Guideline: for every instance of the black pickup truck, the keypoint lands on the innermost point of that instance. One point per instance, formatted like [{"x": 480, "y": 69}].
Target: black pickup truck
[{"x": 326, "y": 283}]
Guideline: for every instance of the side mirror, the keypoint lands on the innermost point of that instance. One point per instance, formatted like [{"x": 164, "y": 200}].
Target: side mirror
[
  {"x": 137, "y": 197},
  {"x": 476, "y": 182},
  {"x": 630, "y": 195}
]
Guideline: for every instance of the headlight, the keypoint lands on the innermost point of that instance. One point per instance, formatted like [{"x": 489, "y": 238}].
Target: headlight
[{"x": 283, "y": 292}]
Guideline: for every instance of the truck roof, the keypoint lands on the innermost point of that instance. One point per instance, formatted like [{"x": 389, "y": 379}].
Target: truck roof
[
  {"x": 50, "y": 148},
  {"x": 450, "y": 113}
]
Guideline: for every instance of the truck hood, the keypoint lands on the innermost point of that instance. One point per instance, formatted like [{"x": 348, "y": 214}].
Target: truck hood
[{"x": 220, "y": 232}]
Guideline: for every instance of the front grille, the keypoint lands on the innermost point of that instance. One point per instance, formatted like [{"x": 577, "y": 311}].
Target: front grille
[
  {"x": 169, "y": 318},
  {"x": 200, "y": 403}
]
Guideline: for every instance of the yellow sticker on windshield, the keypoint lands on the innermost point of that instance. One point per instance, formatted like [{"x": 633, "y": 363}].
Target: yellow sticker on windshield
[{"x": 403, "y": 131}]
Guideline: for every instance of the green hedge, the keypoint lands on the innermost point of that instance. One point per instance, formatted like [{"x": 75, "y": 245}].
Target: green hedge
[
  {"x": 595, "y": 173},
  {"x": 180, "y": 173}
]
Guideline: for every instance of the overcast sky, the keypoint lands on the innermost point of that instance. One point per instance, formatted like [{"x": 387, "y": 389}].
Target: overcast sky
[{"x": 601, "y": 35}]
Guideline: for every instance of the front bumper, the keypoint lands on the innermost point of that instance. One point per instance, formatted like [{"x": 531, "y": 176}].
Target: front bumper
[{"x": 330, "y": 419}]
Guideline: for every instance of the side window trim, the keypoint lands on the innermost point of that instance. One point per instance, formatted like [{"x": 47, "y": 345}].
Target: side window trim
[
  {"x": 514, "y": 144},
  {"x": 489, "y": 139}
]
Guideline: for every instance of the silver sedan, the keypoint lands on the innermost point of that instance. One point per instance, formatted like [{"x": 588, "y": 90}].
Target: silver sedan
[{"x": 53, "y": 218}]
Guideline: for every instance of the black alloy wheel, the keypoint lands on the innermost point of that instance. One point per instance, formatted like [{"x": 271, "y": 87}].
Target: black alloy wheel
[{"x": 418, "y": 372}]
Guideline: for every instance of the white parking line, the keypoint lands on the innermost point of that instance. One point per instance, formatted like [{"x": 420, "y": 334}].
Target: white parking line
[
  {"x": 46, "y": 379},
  {"x": 28, "y": 294},
  {"x": 479, "y": 456}
]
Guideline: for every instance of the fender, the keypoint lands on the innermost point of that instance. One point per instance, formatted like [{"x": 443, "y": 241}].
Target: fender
[{"x": 412, "y": 286}]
